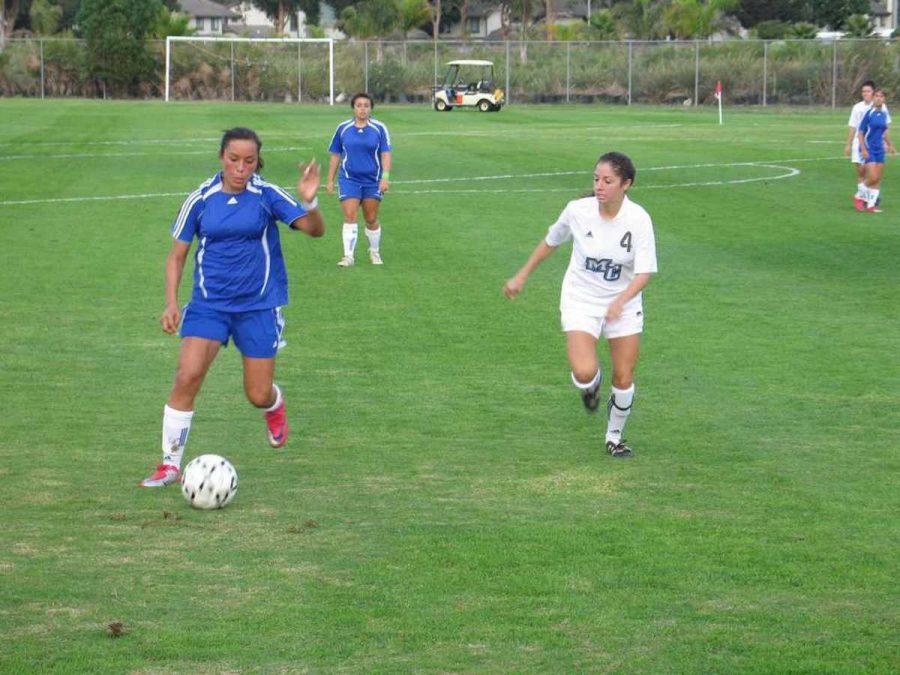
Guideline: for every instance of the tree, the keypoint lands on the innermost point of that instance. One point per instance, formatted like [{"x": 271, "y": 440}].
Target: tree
[
  {"x": 833, "y": 13},
  {"x": 169, "y": 23},
  {"x": 115, "y": 32},
  {"x": 413, "y": 14},
  {"x": 858, "y": 26},
  {"x": 370, "y": 18},
  {"x": 45, "y": 17},
  {"x": 688, "y": 19},
  {"x": 643, "y": 19},
  {"x": 603, "y": 26},
  {"x": 803, "y": 30},
  {"x": 752, "y": 12},
  {"x": 8, "y": 19},
  {"x": 279, "y": 11}
]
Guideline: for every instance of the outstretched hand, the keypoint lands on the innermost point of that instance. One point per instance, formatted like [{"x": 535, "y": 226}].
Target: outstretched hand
[{"x": 309, "y": 181}]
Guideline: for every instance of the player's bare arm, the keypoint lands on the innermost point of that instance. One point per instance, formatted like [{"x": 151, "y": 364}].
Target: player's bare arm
[
  {"x": 171, "y": 316},
  {"x": 614, "y": 311},
  {"x": 332, "y": 172},
  {"x": 384, "y": 184},
  {"x": 515, "y": 285}
]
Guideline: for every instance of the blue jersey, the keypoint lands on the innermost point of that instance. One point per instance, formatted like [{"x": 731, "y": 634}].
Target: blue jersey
[
  {"x": 873, "y": 127},
  {"x": 238, "y": 265},
  {"x": 360, "y": 149}
]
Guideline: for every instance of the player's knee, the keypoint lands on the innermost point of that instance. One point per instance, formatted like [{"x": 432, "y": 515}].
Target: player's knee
[
  {"x": 584, "y": 372},
  {"x": 188, "y": 379},
  {"x": 259, "y": 396},
  {"x": 623, "y": 380}
]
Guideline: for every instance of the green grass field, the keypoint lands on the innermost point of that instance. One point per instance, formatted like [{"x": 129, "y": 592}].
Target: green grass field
[{"x": 444, "y": 503}]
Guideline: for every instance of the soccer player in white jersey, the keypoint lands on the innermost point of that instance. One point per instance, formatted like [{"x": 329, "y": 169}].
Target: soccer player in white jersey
[
  {"x": 613, "y": 256},
  {"x": 361, "y": 149},
  {"x": 851, "y": 149},
  {"x": 240, "y": 286}
]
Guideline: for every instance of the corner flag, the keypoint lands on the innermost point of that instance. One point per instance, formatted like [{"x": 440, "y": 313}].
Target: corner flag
[{"x": 719, "y": 98}]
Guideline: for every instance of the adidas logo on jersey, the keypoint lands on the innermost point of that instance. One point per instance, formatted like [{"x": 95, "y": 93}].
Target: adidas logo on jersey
[
  {"x": 232, "y": 201},
  {"x": 589, "y": 234}
]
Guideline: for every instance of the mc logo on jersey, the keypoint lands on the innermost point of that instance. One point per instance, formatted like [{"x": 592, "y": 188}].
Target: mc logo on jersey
[{"x": 604, "y": 266}]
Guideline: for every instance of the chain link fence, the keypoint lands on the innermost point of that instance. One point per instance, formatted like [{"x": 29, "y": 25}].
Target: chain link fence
[{"x": 752, "y": 72}]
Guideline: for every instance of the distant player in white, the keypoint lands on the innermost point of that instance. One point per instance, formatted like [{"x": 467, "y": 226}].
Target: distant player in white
[
  {"x": 613, "y": 256},
  {"x": 851, "y": 149}
]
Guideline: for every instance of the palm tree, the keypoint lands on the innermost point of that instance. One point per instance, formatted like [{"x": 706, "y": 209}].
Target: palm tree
[{"x": 858, "y": 26}]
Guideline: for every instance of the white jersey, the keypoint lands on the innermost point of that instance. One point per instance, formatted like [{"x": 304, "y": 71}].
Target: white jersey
[
  {"x": 606, "y": 254},
  {"x": 857, "y": 112}
]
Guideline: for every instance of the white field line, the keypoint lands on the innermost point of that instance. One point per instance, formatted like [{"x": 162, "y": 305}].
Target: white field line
[
  {"x": 93, "y": 155},
  {"x": 788, "y": 172}
]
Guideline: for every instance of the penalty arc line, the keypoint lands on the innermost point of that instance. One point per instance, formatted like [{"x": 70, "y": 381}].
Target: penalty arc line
[{"x": 789, "y": 172}]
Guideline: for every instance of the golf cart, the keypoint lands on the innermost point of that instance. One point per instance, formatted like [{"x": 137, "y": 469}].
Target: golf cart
[{"x": 468, "y": 82}]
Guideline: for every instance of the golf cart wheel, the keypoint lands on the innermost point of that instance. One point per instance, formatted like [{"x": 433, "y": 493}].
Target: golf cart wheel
[
  {"x": 441, "y": 105},
  {"x": 484, "y": 105}
]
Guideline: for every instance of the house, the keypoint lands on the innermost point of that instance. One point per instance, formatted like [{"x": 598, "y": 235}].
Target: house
[
  {"x": 209, "y": 18},
  {"x": 246, "y": 20},
  {"x": 883, "y": 16}
]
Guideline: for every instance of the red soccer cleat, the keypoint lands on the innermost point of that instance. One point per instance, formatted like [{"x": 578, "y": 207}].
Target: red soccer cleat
[
  {"x": 276, "y": 421},
  {"x": 165, "y": 474}
]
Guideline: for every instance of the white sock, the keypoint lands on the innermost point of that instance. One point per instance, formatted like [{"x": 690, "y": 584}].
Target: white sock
[
  {"x": 585, "y": 386},
  {"x": 873, "y": 197},
  {"x": 619, "y": 407},
  {"x": 278, "y": 398},
  {"x": 176, "y": 427},
  {"x": 374, "y": 237},
  {"x": 861, "y": 190},
  {"x": 349, "y": 235}
]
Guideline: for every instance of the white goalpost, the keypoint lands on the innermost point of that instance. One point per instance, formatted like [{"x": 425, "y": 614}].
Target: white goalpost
[{"x": 249, "y": 68}]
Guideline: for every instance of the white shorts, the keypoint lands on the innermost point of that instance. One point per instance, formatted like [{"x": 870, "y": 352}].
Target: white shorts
[
  {"x": 855, "y": 155},
  {"x": 630, "y": 323}
]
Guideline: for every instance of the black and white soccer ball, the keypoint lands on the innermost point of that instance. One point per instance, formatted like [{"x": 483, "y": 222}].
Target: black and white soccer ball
[{"x": 209, "y": 482}]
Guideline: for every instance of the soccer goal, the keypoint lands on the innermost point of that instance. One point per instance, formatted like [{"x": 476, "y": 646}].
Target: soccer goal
[{"x": 292, "y": 70}]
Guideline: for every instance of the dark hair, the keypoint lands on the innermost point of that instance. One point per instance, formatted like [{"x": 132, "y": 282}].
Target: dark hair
[
  {"x": 242, "y": 134},
  {"x": 868, "y": 83},
  {"x": 621, "y": 165},
  {"x": 362, "y": 94}
]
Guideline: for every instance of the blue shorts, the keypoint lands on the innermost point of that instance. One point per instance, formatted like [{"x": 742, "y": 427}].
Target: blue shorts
[
  {"x": 351, "y": 189},
  {"x": 875, "y": 157},
  {"x": 256, "y": 334}
]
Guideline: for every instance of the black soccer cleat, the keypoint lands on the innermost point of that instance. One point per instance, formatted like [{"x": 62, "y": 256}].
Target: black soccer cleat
[
  {"x": 591, "y": 398},
  {"x": 618, "y": 449}
]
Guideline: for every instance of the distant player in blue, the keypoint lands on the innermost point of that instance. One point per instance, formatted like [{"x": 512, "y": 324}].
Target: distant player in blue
[
  {"x": 873, "y": 142},
  {"x": 361, "y": 149},
  {"x": 240, "y": 286}
]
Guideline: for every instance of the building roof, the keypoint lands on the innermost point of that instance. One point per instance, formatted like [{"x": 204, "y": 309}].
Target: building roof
[{"x": 206, "y": 8}]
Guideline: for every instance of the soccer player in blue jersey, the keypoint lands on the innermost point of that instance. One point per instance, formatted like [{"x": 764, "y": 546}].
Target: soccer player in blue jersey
[
  {"x": 240, "y": 286},
  {"x": 361, "y": 149},
  {"x": 874, "y": 140}
]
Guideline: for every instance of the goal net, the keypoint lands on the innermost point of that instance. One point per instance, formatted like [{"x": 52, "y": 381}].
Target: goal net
[{"x": 292, "y": 70}]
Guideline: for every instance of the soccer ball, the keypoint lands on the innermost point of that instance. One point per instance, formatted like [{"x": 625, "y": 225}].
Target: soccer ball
[{"x": 209, "y": 482}]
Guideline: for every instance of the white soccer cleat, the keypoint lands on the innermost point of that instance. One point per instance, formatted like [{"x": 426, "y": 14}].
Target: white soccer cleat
[
  {"x": 375, "y": 257},
  {"x": 346, "y": 261}
]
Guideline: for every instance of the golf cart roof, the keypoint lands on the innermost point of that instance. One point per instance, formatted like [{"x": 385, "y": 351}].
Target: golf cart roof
[{"x": 470, "y": 62}]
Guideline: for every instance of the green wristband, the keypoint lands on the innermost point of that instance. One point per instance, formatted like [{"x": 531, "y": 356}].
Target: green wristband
[{"x": 386, "y": 175}]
